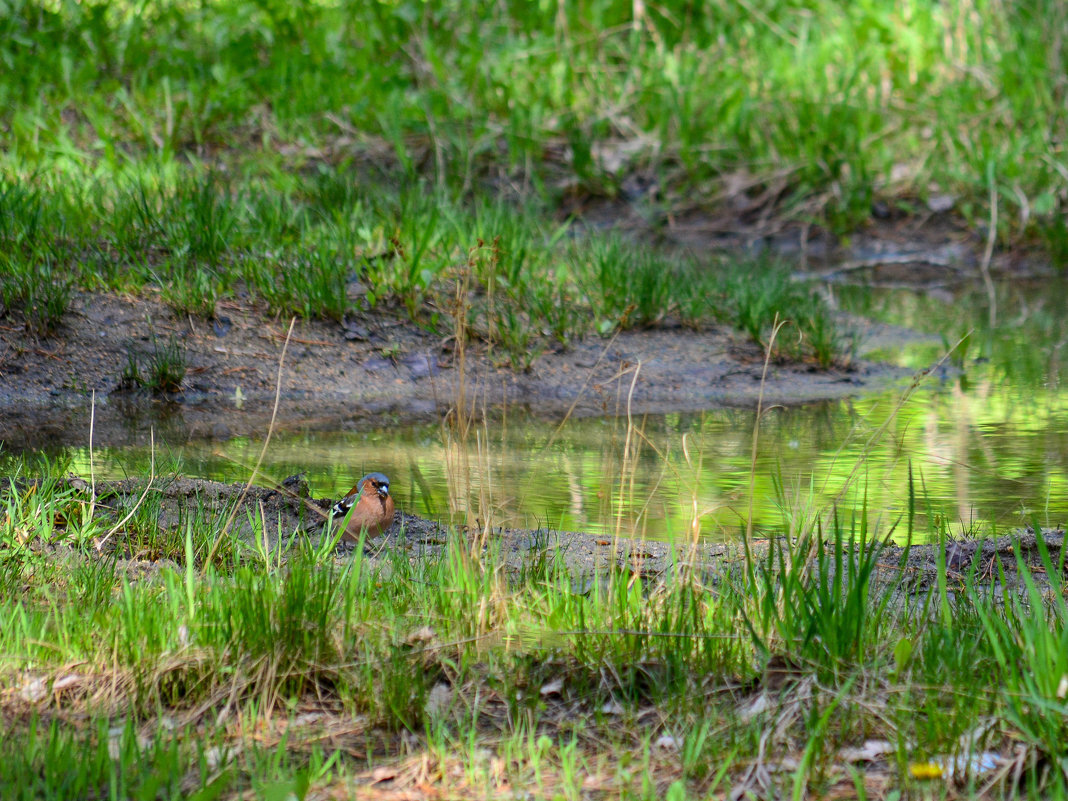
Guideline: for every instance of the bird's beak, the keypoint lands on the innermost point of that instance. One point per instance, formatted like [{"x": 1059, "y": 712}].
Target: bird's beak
[{"x": 383, "y": 490}]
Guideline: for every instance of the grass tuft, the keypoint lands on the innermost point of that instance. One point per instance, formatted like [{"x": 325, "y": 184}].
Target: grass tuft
[
  {"x": 38, "y": 290},
  {"x": 160, "y": 372}
]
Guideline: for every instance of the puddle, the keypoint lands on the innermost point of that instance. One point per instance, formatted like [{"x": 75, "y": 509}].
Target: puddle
[
  {"x": 973, "y": 461},
  {"x": 985, "y": 438}
]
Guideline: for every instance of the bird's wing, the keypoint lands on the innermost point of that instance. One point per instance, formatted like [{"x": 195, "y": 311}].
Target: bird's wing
[{"x": 341, "y": 508}]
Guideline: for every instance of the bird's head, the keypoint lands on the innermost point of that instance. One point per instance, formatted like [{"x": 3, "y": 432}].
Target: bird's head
[{"x": 373, "y": 482}]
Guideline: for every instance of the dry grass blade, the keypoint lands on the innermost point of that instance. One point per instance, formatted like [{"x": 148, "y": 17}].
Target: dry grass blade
[
  {"x": 92, "y": 467},
  {"x": 775, "y": 328},
  {"x": 263, "y": 451},
  {"x": 877, "y": 435},
  {"x": 988, "y": 251},
  {"x": 144, "y": 494},
  {"x": 582, "y": 390},
  {"x": 275, "y": 484},
  {"x": 629, "y": 466}
]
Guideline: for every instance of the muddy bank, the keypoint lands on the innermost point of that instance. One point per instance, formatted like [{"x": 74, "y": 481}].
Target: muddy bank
[
  {"x": 289, "y": 513},
  {"x": 376, "y": 368}
]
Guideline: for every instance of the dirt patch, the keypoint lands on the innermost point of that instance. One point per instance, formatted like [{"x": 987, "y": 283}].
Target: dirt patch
[{"x": 374, "y": 368}]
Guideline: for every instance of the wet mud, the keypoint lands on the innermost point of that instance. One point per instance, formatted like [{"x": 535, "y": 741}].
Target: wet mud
[
  {"x": 378, "y": 366},
  {"x": 290, "y": 516},
  {"x": 377, "y": 369}
]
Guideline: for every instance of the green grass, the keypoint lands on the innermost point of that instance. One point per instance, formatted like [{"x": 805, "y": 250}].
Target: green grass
[
  {"x": 324, "y": 159},
  {"x": 832, "y": 104},
  {"x": 159, "y": 372},
  {"x": 533, "y": 283},
  {"x": 38, "y": 289},
  {"x": 301, "y": 670},
  {"x": 289, "y": 152}
]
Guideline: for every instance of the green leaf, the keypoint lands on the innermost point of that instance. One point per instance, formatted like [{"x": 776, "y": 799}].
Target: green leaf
[{"x": 902, "y": 654}]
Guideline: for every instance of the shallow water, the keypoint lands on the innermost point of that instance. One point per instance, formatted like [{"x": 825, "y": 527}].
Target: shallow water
[{"x": 985, "y": 438}]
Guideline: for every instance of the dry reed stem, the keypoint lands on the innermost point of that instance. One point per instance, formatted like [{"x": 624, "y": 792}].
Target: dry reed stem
[
  {"x": 988, "y": 251},
  {"x": 263, "y": 451},
  {"x": 485, "y": 484},
  {"x": 582, "y": 390},
  {"x": 456, "y": 425},
  {"x": 148, "y": 486},
  {"x": 776, "y": 326},
  {"x": 629, "y": 462},
  {"x": 917, "y": 380},
  {"x": 277, "y": 486},
  {"x": 92, "y": 468}
]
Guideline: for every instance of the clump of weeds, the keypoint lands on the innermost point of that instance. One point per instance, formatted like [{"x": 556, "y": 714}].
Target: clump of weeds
[
  {"x": 37, "y": 289},
  {"x": 755, "y": 293},
  {"x": 194, "y": 292},
  {"x": 625, "y": 284},
  {"x": 160, "y": 372}
]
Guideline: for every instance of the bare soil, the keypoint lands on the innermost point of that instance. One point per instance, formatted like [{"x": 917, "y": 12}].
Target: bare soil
[
  {"x": 379, "y": 366},
  {"x": 376, "y": 368}
]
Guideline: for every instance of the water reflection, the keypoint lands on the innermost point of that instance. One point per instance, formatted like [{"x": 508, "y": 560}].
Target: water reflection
[
  {"x": 986, "y": 444},
  {"x": 974, "y": 461}
]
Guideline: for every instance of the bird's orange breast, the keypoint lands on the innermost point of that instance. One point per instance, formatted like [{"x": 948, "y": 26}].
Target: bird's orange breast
[{"x": 373, "y": 514}]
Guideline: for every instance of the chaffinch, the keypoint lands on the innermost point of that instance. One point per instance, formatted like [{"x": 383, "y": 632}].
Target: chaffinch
[{"x": 371, "y": 507}]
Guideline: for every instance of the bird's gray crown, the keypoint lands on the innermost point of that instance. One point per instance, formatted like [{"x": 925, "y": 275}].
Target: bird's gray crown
[{"x": 379, "y": 477}]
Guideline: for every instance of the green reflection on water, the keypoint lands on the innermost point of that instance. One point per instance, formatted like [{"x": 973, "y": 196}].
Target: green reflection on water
[
  {"x": 977, "y": 458},
  {"x": 1026, "y": 347},
  {"x": 986, "y": 438}
]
